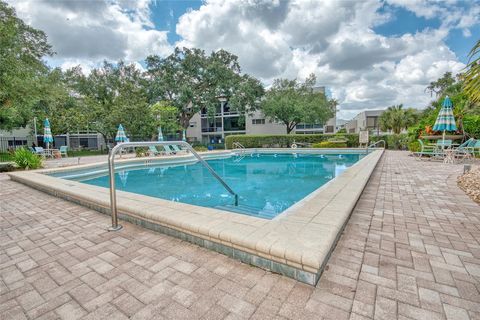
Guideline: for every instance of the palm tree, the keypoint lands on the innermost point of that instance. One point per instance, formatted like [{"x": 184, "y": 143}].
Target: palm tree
[
  {"x": 472, "y": 76},
  {"x": 396, "y": 118}
]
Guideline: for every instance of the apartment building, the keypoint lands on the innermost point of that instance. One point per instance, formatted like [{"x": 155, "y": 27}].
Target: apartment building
[
  {"x": 213, "y": 128},
  {"x": 366, "y": 120},
  {"x": 15, "y": 138}
]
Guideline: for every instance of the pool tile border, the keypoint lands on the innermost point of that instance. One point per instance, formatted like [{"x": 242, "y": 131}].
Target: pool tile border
[{"x": 263, "y": 242}]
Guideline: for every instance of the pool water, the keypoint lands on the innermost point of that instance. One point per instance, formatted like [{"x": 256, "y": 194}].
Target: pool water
[{"x": 267, "y": 184}]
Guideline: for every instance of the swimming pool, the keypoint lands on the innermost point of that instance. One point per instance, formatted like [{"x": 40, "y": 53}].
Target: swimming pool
[
  {"x": 267, "y": 184},
  {"x": 296, "y": 243}
]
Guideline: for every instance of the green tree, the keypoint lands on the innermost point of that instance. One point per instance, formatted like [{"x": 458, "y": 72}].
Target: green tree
[
  {"x": 21, "y": 68},
  {"x": 291, "y": 102},
  {"x": 165, "y": 117},
  {"x": 396, "y": 118},
  {"x": 441, "y": 85},
  {"x": 114, "y": 94},
  {"x": 191, "y": 81},
  {"x": 472, "y": 76},
  {"x": 65, "y": 112}
]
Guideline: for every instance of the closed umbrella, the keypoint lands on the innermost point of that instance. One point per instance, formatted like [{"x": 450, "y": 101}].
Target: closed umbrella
[
  {"x": 160, "y": 134},
  {"x": 47, "y": 133},
  {"x": 121, "y": 137},
  {"x": 445, "y": 119},
  {"x": 184, "y": 138}
]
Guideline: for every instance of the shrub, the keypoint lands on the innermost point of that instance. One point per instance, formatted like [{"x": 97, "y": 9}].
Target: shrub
[
  {"x": 393, "y": 141},
  {"x": 25, "y": 159},
  {"x": 330, "y": 144},
  {"x": 471, "y": 125},
  {"x": 414, "y": 146},
  {"x": 141, "y": 152},
  {"x": 200, "y": 148},
  {"x": 286, "y": 140}
]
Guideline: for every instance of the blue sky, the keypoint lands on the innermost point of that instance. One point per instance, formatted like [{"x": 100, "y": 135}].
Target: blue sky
[
  {"x": 165, "y": 15},
  {"x": 369, "y": 54},
  {"x": 405, "y": 21}
]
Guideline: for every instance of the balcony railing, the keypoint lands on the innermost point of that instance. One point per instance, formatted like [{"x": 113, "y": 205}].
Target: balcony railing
[
  {"x": 212, "y": 129},
  {"x": 206, "y": 115}
]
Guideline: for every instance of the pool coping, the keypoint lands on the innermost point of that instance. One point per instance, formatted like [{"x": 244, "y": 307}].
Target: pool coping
[{"x": 297, "y": 243}]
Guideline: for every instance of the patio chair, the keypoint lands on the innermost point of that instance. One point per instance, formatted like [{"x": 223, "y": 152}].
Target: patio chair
[
  {"x": 177, "y": 149},
  {"x": 40, "y": 151},
  {"x": 152, "y": 150},
  {"x": 64, "y": 151},
  {"x": 428, "y": 151},
  {"x": 475, "y": 147},
  {"x": 442, "y": 144},
  {"x": 465, "y": 150},
  {"x": 168, "y": 150}
]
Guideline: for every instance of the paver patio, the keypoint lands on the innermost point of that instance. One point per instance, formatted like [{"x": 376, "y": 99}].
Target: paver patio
[{"x": 411, "y": 250}]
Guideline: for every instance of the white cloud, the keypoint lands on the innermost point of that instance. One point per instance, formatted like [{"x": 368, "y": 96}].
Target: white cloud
[
  {"x": 280, "y": 38},
  {"x": 333, "y": 39},
  {"x": 90, "y": 31}
]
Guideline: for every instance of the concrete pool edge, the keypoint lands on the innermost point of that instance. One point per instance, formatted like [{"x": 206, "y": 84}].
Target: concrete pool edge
[{"x": 297, "y": 244}]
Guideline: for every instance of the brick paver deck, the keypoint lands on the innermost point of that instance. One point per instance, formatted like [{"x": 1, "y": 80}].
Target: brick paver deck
[{"x": 410, "y": 251}]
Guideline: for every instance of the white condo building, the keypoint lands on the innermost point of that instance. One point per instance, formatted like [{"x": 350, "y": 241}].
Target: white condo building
[{"x": 207, "y": 128}]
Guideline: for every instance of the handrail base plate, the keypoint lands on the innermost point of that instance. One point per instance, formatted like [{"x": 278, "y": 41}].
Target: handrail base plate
[{"x": 118, "y": 228}]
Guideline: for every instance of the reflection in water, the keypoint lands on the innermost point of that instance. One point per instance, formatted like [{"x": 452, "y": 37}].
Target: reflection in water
[{"x": 266, "y": 184}]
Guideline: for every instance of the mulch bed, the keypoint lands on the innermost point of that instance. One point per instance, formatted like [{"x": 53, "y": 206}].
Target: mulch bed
[{"x": 470, "y": 183}]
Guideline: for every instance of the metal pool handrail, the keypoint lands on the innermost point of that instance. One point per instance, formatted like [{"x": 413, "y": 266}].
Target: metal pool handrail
[
  {"x": 377, "y": 142},
  {"x": 111, "y": 170}
]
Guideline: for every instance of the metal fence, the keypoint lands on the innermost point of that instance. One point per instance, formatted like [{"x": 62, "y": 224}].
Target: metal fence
[{"x": 8, "y": 144}]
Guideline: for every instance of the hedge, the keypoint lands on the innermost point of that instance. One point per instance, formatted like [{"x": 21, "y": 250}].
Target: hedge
[
  {"x": 393, "y": 141},
  {"x": 329, "y": 144},
  {"x": 286, "y": 140}
]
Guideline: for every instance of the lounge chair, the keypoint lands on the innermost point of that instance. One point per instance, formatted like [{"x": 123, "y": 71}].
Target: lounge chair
[
  {"x": 177, "y": 149},
  {"x": 64, "y": 151},
  {"x": 153, "y": 151},
  {"x": 475, "y": 147},
  {"x": 466, "y": 150},
  {"x": 168, "y": 150},
  {"x": 428, "y": 151}
]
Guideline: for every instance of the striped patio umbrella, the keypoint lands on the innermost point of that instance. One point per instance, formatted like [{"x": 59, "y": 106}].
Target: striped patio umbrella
[
  {"x": 445, "y": 119},
  {"x": 160, "y": 134},
  {"x": 121, "y": 137},
  {"x": 47, "y": 133},
  {"x": 184, "y": 137}
]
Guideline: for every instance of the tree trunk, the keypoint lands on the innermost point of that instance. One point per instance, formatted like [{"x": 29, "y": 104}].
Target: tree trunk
[{"x": 290, "y": 126}]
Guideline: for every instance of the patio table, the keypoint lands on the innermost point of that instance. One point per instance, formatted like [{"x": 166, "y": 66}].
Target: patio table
[
  {"x": 52, "y": 153},
  {"x": 449, "y": 156}
]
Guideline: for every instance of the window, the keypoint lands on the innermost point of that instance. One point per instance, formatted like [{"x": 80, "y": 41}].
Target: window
[
  {"x": 258, "y": 121},
  {"x": 193, "y": 124}
]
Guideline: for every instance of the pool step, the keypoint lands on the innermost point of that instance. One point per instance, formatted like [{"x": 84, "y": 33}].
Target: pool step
[{"x": 248, "y": 210}]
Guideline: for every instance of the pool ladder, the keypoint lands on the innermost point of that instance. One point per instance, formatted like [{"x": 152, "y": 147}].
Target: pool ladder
[{"x": 111, "y": 169}]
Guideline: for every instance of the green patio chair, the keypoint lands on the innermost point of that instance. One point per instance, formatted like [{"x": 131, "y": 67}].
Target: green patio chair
[
  {"x": 178, "y": 149},
  {"x": 475, "y": 147},
  {"x": 428, "y": 151},
  {"x": 466, "y": 150},
  {"x": 168, "y": 150},
  {"x": 64, "y": 151},
  {"x": 152, "y": 150},
  {"x": 444, "y": 143}
]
